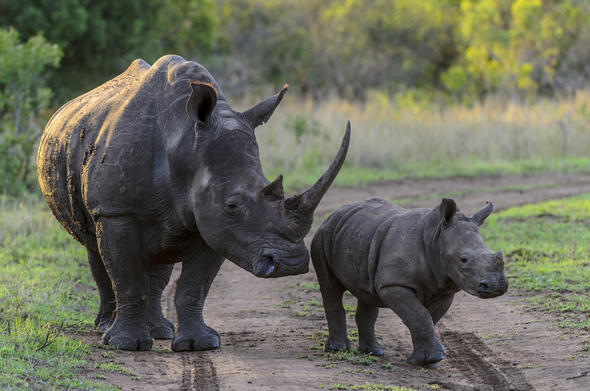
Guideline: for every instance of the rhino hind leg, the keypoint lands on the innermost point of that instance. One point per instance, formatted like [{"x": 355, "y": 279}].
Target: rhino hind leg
[
  {"x": 191, "y": 291},
  {"x": 160, "y": 327},
  {"x": 107, "y": 308},
  {"x": 121, "y": 250},
  {"x": 365, "y": 317}
]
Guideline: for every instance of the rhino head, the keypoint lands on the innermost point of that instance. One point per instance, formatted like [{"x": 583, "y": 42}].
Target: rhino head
[
  {"x": 239, "y": 213},
  {"x": 471, "y": 265}
]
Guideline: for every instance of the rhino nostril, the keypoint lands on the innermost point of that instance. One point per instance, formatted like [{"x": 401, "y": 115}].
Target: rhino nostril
[
  {"x": 265, "y": 266},
  {"x": 483, "y": 287}
]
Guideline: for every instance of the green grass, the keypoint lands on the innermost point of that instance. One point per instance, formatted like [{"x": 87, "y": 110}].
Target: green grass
[
  {"x": 547, "y": 246},
  {"x": 351, "y": 356},
  {"x": 112, "y": 367},
  {"x": 46, "y": 293},
  {"x": 369, "y": 387}
]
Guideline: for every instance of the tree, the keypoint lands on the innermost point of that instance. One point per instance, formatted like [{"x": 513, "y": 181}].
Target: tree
[
  {"x": 23, "y": 98},
  {"x": 101, "y": 37},
  {"x": 515, "y": 47}
]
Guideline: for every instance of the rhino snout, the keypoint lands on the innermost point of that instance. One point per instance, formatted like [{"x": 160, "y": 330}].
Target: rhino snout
[
  {"x": 274, "y": 264},
  {"x": 489, "y": 288}
]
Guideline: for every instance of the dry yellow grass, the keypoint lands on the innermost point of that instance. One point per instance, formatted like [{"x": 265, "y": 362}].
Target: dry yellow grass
[{"x": 404, "y": 135}]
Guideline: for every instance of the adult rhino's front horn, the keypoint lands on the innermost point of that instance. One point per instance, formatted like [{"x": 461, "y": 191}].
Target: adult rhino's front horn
[{"x": 305, "y": 203}]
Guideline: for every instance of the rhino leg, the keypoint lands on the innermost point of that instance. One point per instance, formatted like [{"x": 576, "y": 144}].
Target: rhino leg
[
  {"x": 121, "y": 249},
  {"x": 439, "y": 308},
  {"x": 160, "y": 327},
  {"x": 106, "y": 310},
  {"x": 403, "y": 301},
  {"x": 191, "y": 290},
  {"x": 366, "y": 316},
  {"x": 332, "y": 291}
]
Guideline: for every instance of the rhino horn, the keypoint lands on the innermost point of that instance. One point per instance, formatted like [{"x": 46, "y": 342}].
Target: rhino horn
[
  {"x": 482, "y": 214},
  {"x": 306, "y": 202},
  {"x": 260, "y": 113},
  {"x": 274, "y": 190},
  {"x": 201, "y": 102}
]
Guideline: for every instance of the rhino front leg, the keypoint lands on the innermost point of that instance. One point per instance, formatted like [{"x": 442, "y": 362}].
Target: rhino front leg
[
  {"x": 332, "y": 292},
  {"x": 365, "y": 317},
  {"x": 121, "y": 249},
  {"x": 191, "y": 290},
  {"x": 160, "y": 327},
  {"x": 440, "y": 307},
  {"x": 106, "y": 310},
  {"x": 403, "y": 301}
]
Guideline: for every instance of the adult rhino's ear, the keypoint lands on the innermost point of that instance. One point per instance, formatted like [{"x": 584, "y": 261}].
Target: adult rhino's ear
[
  {"x": 482, "y": 214},
  {"x": 261, "y": 113},
  {"x": 202, "y": 101},
  {"x": 447, "y": 209}
]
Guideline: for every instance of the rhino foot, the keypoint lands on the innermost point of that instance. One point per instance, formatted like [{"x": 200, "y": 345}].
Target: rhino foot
[
  {"x": 162, "y": 329},
  {"x": 427, "y": 356},
  {"x": 373, "y": 349},
  {"x": 335, "y": 344},
  {"x": 205, "y": 338},
  {"x": 125, "y": 340},
  {"x": 104, "y": 320}
]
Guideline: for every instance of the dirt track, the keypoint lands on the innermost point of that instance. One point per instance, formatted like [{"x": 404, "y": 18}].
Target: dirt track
[{"x": 271, "y": 329}]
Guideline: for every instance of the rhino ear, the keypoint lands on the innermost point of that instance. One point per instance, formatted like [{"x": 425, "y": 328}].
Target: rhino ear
[
  {"x": 482, "y": 214},
  {"x": 447, "y": 209},
  {"x": 261, "y": 113},
  {"x": 202, "y": 101}
]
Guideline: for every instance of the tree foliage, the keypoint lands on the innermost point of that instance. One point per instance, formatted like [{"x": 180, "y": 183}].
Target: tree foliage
[
  {"x": 465, "y": 48},
  {"x": 101, "y": 37},
  {"x": 23, "y": 98}
]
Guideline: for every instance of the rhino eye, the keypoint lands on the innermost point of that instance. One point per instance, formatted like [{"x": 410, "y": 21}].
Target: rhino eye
[
  {"x": 232, "y": 209},
  {"x": 464, "y": 259}
]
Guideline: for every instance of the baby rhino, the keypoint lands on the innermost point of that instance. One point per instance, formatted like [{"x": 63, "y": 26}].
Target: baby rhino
[{"x": 412, "y": 261}]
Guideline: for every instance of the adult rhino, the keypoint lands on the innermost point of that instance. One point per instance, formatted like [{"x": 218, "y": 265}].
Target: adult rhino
[{"x": 154, "y": 167}]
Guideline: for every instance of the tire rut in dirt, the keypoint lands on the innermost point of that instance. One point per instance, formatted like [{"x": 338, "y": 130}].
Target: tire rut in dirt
[
  {"x": 467, "y": 353},
  {"x": 198, "y": 373}
]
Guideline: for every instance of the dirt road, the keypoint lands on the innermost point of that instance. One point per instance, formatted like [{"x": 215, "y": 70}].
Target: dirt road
[{"x": 272, "y": 330}]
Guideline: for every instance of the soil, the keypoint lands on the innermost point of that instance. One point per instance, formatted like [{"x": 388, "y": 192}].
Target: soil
[{"x": 272, "y": 330}]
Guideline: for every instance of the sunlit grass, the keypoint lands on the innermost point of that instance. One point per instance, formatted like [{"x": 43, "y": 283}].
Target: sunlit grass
[
  {"x": 45, "y": 291},
  {"x": 393, "y": 140},
  {"x": 548, "y": 253}
]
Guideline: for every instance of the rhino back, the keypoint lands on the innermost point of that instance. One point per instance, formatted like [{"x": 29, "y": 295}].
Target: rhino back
[
  {"x": 371, "y": 243},
  {"x": 346, "y": 238},
  {"x": 106, "y": 153}
]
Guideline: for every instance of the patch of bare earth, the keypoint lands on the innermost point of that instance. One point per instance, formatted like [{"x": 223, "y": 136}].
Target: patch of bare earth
[{"x": 271, "y": 330}]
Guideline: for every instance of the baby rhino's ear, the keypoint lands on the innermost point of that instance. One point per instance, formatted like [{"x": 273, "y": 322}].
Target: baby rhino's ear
[
  {"x": 448, "y": 209},
  {"x": 202, "y": 101}
]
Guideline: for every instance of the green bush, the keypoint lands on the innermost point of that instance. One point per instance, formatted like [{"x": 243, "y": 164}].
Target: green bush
[{"x": 24, "y": 98}]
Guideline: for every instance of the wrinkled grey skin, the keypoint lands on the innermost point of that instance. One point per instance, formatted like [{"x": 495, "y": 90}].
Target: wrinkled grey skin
[
  {"x": 154, "y": 167},
  {"x": 412, "y": 261}
]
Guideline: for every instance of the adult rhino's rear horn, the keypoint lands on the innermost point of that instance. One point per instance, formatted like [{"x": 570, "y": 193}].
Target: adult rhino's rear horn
[{"x": 305, "y": 203}]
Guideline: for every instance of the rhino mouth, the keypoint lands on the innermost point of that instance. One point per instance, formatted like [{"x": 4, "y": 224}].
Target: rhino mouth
[{"x": 271, "y": 265}]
